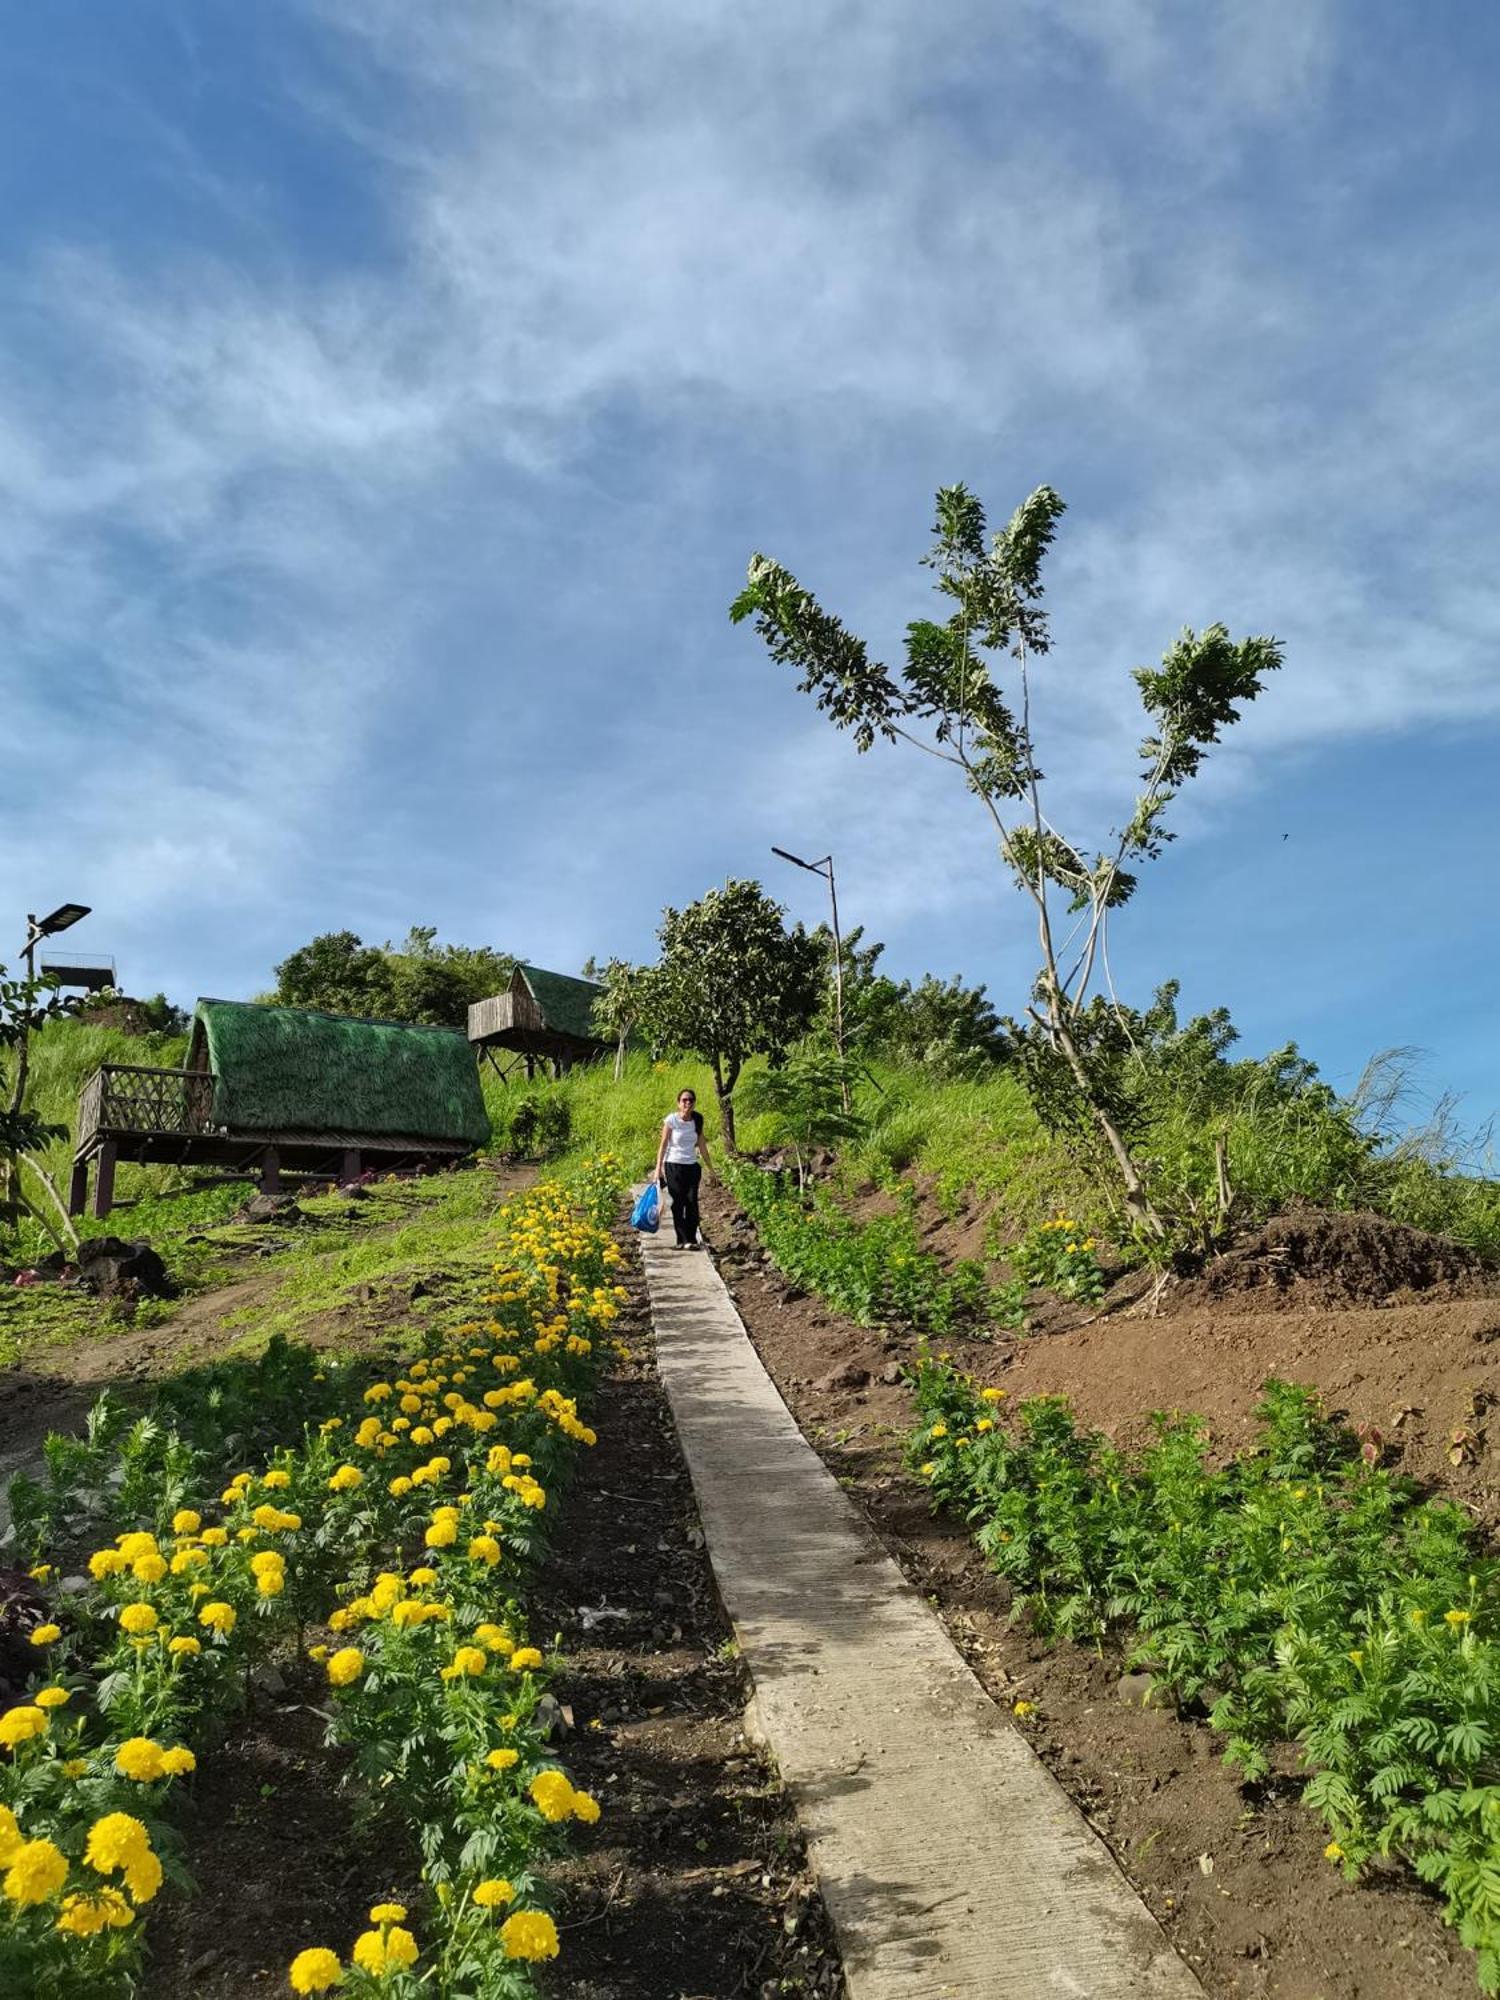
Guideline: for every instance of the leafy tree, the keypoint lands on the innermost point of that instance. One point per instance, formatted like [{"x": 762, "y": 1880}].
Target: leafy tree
[
  {"x": 733, "y": 982},
  {"x": 420, "y": 981},
  {"x": 804, "y": 1103},
  {"x": 619, "y": 1007},
  {"x": 945, "y": 699},
  {"x": 942, "y": 1024}
]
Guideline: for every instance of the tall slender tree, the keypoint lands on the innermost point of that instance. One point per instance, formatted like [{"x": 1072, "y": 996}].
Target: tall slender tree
[{"x": 946, "y": 700}]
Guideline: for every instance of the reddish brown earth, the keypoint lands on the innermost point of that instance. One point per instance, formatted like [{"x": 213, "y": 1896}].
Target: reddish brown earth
[{"x": 1236, "y": 1873}]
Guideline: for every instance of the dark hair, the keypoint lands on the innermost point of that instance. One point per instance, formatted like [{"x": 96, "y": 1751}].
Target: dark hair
[{"x": 688, "y": 1091}]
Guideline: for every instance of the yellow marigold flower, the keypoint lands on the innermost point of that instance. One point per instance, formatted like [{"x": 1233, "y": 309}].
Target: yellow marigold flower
[
  {"x": 411, "y": 1404},
  {"x": 529, "y": 1934},
  {"x": 10, "y": 1834},
  {"x": 51, "y": 1697},
  {"x": 137, "y": 1544},
  {"x": 378, "y": 1392},
  {"x": 525, "y": 1658},
  {"x": 938, "y": 1430},
  {"x": 379, "y": 1952},
  {"x": 468, "y": 1661},
  {"x": 1023, "y": 1708},
  {"x": 585, "y": 1807},
  {"x": 494, "y": 1638},
  {"x": 218, "y": 1617},
  {"x": 441, "y": 1535},
  {"x": 189, "y": 1559},
  {"x": 503, "y": 1759},
  {"x": 19, "y": 1725},
  {"x": 114, "y": 1840},
  {"x": 149, "y": 1569},
  {"x": 491, "y": 1894},
  {"x": 139, "y": 1619},
  {"x": 423, "y": 1434},
  {"x": 143, "y": 1876},
  {"x": 1456, "y": 1618},
  {"x": 139, "y": 1758},
  {"x": 991, "y": 1395},
  {"x": 186, "y": 1522},
  {"x": 1333, "y": 1852},
  {"x": 183, "y": 1648},
  {"x": 106, "y": 1562},
  {"x": 346, "y": 1479},
  {"x": 317, "y": 1653},
  {"x": 215, "y": 1538},
  {"x": 1419, "y": 1618},
  {"x": 388, "y": 1913},
  {"x": 74, "y": 1767},
  {"x": 346, "y": 1666},
  {"x": 551, "y": 1794},
  {"x": 276, "y": 1481},
  {"x": 316, "y": 1970},
  {"x": 270, "y": 1583},
  {"x": 44, "y": 1635},
  {"x": 37, "y": 1871},
  {"x": 485, "y": 1549},
  {"x": 178, "y": 1761},
  {"x": 101, "y": 1909},
  {"x": 400, "y": 1485}
]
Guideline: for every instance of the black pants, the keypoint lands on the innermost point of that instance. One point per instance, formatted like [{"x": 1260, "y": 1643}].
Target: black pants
[{"x": 682, "y": 1186}]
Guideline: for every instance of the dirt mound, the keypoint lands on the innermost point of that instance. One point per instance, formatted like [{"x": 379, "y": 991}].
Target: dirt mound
[{"x": 1313, "y": 1257}]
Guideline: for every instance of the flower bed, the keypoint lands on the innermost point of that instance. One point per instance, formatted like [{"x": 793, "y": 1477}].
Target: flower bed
[
  {"x": 1301, "y": 1592},
  {"x": 402, "y": 1523}
]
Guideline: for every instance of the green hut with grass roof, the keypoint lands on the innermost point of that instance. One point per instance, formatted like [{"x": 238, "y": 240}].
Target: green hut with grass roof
[
  {"x": 542, "y": 1017},
  {"x": 271, "y": 1091}
]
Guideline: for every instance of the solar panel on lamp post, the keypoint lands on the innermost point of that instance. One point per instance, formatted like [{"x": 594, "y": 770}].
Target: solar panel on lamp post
[{"x": 825, "y": 869}]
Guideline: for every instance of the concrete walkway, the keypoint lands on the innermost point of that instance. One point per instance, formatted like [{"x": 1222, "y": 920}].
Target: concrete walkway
[{"x": 951, "y": 1861}]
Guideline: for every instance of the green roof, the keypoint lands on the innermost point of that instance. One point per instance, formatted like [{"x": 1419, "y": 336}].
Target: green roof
[
  {"x": 567, "y": 1004},
  {"x": 292, "y": 1069}
]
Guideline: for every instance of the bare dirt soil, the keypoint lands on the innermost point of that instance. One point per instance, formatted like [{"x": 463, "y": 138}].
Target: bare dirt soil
[{"x": 1236, "y": 1873}]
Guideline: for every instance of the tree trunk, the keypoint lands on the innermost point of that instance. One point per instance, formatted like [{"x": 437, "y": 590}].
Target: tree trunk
[
  {"x": 724, "y": 1091},
  {"x": 1137, "y": 1201},
  {"x": 620, "y": 1055}
]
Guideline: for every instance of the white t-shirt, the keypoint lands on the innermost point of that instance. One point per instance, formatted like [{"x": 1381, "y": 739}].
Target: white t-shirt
[{"x": 682, "y": 1141}]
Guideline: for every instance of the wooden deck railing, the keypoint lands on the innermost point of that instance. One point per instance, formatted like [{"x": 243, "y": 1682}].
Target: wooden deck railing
[{"x": 127, "y": 1097}]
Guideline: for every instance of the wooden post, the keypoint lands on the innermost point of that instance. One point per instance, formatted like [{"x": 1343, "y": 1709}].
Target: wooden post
[
  {"x": 78, "y": 1188},
  {"x": 104, "y": 1181},
  {"x": 270, "y": 1171},
  {"x": 351, "y": 1163}
]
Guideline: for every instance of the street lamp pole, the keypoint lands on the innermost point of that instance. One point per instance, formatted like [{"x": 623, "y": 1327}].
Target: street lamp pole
[{"x": 825, "y": 869}]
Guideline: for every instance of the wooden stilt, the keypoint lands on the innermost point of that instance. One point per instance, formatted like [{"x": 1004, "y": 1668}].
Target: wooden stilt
[
  {"x": 351, "y": 1163},
  {"x": 104, "y": 1180},
  {"x": 270, "y": 1171},
  {"x": 78, "y": 1188}
]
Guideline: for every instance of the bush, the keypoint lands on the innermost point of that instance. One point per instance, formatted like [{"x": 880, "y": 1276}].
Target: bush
[{"x": 540, "y": 1126}]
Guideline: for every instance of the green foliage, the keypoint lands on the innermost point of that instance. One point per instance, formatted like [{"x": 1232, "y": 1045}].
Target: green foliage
[
  {"x": 732, "y": 982},
  {"x": 804, "y": 1102},
  {"x": 1299, "y": 1591},
  {"x": 538, "y": 1126},
  {"x": 943, "y": 1025},
  {"x": 1060, "y": 1256},
  {"x": 875, "y": 1271},
  {"x": 420, "y": 980}
]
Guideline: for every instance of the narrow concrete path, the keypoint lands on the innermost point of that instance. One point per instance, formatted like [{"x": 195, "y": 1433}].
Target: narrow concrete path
[{"x": 952, "y": 1862}]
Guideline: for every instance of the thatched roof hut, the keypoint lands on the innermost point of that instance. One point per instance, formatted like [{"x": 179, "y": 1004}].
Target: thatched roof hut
[
  {"x": 293, "y": 1069},
  {"x": 274, "y": 1089},
  {"x": 542, "y": 1016}
]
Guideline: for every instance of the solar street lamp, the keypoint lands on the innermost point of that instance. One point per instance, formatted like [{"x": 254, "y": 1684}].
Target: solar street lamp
[{"x": 825, "y": 869}]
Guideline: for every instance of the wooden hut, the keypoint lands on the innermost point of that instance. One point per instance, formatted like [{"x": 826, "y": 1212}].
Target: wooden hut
[
  {"x": 267, "y": 1090},
  {"x": 541, "y": 1017}
]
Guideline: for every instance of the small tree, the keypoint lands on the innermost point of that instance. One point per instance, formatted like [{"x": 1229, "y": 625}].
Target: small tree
[
  {"x": 804, "y": 1101},
  {"x": 620, "y": 1006},
  {"x": 733, "y": 982},
  {"x": 946, "y": 701},
  {"x": 23, "y": 1133}
]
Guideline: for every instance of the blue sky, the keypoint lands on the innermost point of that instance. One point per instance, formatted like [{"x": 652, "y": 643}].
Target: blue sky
[{"x": 391, "y": 396}]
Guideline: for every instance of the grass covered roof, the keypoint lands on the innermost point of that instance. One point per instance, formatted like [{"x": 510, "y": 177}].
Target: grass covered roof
[
  {"x": 292, "y": 1069},
  {"x": 567, "y": 1004}
]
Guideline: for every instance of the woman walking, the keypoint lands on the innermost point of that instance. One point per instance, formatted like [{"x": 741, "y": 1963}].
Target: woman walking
[{"x": 680, "y": 1160}]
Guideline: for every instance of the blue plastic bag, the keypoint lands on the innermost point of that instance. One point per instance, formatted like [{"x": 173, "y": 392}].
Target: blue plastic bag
[{"x": 646, "y": 1214}]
